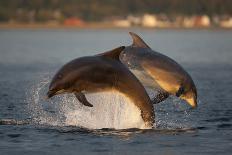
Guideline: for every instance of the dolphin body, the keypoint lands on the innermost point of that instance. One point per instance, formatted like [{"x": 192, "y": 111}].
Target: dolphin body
[
  {"x": 157, "y": 71},
  {"x": 98, "y": 74}
]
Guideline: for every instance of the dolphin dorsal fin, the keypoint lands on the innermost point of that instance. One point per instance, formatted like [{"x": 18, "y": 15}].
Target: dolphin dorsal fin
[
  {"x": 113, "y": 54},
  {"x": 137, "y": 41}
]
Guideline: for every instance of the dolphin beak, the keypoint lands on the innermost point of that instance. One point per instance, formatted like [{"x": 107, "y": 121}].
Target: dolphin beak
[
  {"x": 192, "y": 102},
  {"x": 50, "y": 94}
]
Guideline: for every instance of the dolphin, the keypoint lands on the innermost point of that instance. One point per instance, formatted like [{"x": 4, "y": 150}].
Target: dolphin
[
  {"x": 164, "y": 71},
  {"x": 157, "y": 71},
  {"x": 101, "y": 73}
]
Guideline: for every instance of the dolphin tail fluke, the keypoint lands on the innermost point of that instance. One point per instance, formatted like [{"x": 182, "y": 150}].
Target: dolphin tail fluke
[
  {"x": 81, "y": 98},
  {"x": 113, "y": 54},
  {"x": 137, "y": 41}
]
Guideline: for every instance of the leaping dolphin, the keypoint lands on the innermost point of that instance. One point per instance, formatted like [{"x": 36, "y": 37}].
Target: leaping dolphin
[
  {"x": 157, "y": 71},
  {"x": 98, "y": 74}
]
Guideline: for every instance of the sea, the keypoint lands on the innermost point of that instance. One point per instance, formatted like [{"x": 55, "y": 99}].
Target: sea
[{"x": 31, "y": 124}]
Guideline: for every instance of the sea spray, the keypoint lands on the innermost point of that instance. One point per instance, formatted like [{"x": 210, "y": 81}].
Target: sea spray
[
  {"x": 172, "y": 114},
  {"x": 110, "y": 109}
]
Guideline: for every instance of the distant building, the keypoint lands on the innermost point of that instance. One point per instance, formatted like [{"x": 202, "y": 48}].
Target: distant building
[
  {"x": 122, "y": 23},
  {"x": 226, "y": 23},
  {"x": 73, "y": 22},
  {"x": 164, "y": 21},
  {"x": 134, "y": 20},
  {"x": 149, "y": 20},
  {"x": 196, "y": 21},
  {"x": 202, "y": 21},
  {"x": 188, "y": 22}
]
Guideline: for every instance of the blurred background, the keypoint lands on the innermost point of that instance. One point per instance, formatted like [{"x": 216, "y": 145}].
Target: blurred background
[
  {"x": 56, "y": 31},
  {"x": 117, "y": 13}
]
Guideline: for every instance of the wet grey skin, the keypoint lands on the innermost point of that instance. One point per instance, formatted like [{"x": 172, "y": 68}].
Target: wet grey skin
[
  {"x": 158, "y": 71},
  {"x": 102, "y": 73}
]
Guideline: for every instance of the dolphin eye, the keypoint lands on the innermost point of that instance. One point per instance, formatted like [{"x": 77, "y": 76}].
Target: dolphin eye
[{"x": 180, "y": 91}]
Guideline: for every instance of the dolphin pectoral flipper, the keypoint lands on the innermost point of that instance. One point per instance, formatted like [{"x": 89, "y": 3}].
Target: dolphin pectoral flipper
[
  {"x": 81, "y": 98},
  {"x": 161, "y": 96}
]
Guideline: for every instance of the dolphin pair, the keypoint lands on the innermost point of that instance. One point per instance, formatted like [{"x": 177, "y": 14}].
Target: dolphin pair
[{"x": 120, "y": 70}]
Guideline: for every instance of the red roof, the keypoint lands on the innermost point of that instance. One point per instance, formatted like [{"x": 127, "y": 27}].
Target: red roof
[{"x": 73, "y": 22}]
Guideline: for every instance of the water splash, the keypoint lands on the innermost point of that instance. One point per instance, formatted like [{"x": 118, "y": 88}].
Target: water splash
[
  {"x": 110, "y": 109},
  {"x": 173, "y": 114}
]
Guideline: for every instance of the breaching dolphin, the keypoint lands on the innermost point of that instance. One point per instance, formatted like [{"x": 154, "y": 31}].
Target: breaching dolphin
[
  {"x": 158, "y": 71},
  {"x": 98, "y": 74}
]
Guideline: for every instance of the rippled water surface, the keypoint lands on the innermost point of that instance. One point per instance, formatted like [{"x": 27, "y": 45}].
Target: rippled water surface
[{"x": 29, "y": 124}]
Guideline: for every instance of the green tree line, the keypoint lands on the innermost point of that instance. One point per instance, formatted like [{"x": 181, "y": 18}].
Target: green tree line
[{"x": 93, "y": 10}]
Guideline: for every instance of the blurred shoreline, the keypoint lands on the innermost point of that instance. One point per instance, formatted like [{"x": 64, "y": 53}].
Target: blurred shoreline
[{"x": 94, "y": 25}]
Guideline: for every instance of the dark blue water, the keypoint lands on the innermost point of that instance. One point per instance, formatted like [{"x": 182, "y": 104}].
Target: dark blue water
[{"x": 28, "y": 59}]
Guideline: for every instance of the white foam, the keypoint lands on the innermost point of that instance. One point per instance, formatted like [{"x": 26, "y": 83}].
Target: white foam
[{"x": 110, "y": 110}]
